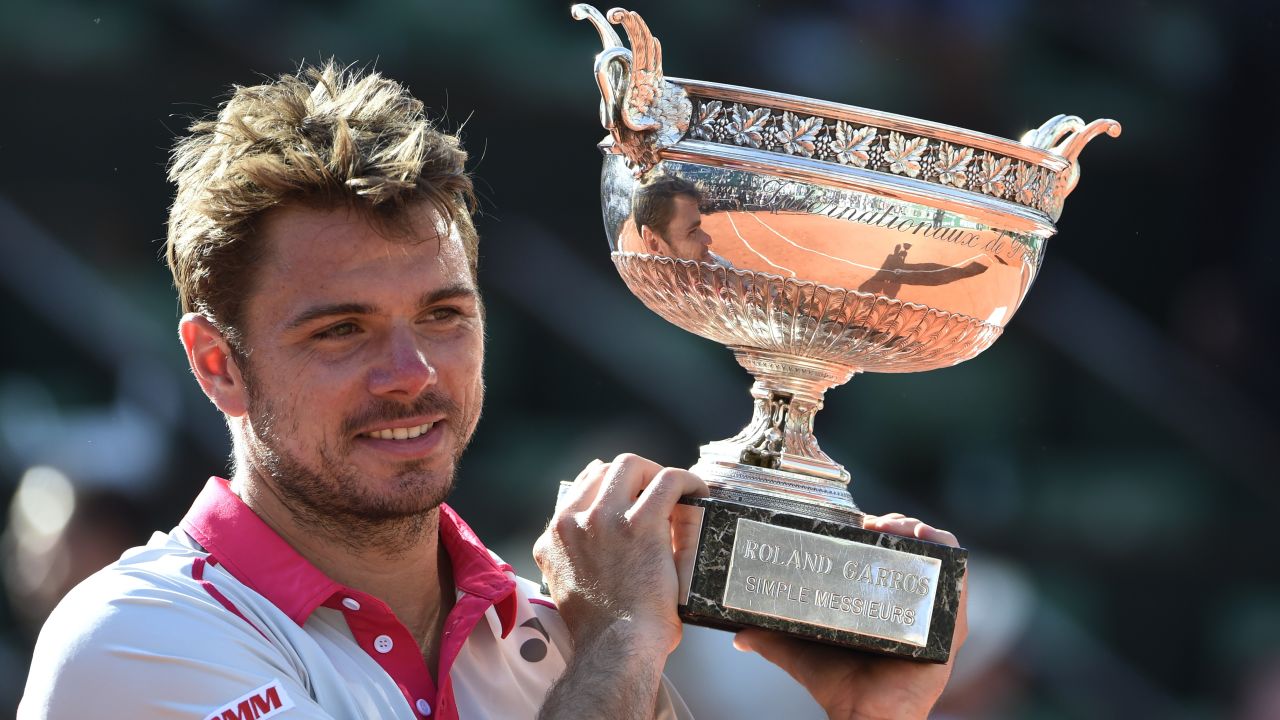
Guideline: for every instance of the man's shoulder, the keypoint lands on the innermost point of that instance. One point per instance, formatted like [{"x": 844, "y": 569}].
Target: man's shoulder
[
  {"x": 148, "y": 600},
  {"x": 146, "y": 622},
  {"x": 156, "y": 575}
]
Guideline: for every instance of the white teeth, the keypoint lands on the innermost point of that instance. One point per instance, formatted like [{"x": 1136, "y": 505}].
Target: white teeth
[{"x": 401, "y": 433}]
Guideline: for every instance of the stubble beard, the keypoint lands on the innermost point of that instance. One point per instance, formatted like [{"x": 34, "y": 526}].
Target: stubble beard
[{"x": 334, "y": 498}]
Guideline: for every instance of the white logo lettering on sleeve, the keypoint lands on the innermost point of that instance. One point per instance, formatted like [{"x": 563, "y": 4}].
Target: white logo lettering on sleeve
[{"x": 261, "y": 703}]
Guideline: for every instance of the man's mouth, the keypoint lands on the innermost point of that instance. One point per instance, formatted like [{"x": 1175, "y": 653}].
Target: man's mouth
[{"x": 399, "y": 433}]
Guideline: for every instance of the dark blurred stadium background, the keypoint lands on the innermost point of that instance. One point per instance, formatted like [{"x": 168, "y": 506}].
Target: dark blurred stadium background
[{"x": 1111, "y": 462}]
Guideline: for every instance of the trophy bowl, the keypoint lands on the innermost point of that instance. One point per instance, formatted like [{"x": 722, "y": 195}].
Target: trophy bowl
[{"x": 816, "y": 240}]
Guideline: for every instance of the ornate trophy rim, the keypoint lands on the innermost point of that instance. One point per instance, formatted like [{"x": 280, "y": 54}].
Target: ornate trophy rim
[
  {"x": 907, "y": 124},
  {"x": 651, "y": 117},
  {"x": 993, "y": 211}
]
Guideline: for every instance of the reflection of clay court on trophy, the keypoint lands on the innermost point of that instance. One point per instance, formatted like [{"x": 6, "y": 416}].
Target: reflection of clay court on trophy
[
  {"x": 818, "y": 249},
  {"x": 832, "y": 252}
]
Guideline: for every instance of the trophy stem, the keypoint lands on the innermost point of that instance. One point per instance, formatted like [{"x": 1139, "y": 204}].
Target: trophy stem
[{"x": 775, "y": 460}]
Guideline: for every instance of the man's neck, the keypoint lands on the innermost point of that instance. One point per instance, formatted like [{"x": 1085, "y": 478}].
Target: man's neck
[{"x": 413, "y": 576}]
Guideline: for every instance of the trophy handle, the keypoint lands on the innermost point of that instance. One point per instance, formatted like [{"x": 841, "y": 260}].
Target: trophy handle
[
  {"x": 1065, "y": 136},
  {"x": 612, "y": 65},
  {"x": 641, "y": 110},
  {"x": 583, "y": 11},
  {"x": 642, "y": 99}
]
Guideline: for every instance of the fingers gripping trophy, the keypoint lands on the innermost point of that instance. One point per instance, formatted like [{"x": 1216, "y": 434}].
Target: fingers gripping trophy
[{"x": 815, "y": 240}]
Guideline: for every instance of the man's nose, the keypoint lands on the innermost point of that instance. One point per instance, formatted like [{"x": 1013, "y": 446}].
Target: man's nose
[
  {"x": 706, "y": 237},
  {"x": 405, "y": 370}
]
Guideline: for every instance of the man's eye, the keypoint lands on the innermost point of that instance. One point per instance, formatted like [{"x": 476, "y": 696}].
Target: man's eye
[
  {"x": 443, "y": 314},
  {"x": 340, "y": 330}
]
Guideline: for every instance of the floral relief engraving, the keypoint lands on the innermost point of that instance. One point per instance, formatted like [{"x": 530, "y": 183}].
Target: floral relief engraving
[
  {"x": 703, "y": 122},
  {"x": 877, "y": 149},
  {"x": 853, "y": 146},
  {"x": 1026, "y": 185},
  {"x": 904, "y": 154},
  {"x": 1050, "y": 199},
  {"x": 993, "y": 178},
  {"x": 747, "y": 126},
  {"x": 1032, "y": 192},
  {"x": 797, "y": 135},
  {"x": 952, "y": 161}
]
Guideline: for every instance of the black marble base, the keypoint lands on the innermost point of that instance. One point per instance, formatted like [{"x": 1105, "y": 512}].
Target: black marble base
[{"x": 705, "y": 604}]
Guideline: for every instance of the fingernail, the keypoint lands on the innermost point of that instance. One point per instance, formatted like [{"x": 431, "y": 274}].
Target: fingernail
[{"x": 741, "y": 645}]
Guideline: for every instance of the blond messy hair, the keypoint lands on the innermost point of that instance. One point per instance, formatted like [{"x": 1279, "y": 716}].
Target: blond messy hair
[{"x": 325, "y": 137}]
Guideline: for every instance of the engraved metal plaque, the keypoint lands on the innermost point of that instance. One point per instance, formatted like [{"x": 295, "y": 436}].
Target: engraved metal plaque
[{"x": 831, "y": 582}]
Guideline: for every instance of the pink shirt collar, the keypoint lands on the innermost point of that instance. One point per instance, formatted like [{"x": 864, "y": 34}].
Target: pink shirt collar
[{"x": 252, "y": 552}]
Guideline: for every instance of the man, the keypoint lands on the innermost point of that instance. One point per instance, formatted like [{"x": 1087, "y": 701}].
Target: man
[
  {"x": 668, "y": 216},
  {"x": 324, "y": 254}
]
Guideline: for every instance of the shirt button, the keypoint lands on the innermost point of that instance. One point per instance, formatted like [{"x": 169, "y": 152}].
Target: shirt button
[
  {"x": 383, "y": 644},
  {"x": 424, "y": 707},
  {"x": 351, "y": 604}
]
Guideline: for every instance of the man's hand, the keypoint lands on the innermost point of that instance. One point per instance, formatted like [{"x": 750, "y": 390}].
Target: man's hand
[
  {"x": 608, "y": 560},
  {"x": 855, "y": 685}
]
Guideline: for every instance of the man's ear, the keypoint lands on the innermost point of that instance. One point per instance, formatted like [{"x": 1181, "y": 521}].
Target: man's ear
[
  {"x": 213, "y": 364},
  {"x": 650, "y": 240}
]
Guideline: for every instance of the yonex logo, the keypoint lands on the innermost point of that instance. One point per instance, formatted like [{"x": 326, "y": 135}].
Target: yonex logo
[{"x": 261, "y": 703}]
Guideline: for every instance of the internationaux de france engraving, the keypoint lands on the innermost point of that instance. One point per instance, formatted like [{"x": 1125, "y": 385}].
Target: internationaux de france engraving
[{"x": 831, "y": 582}]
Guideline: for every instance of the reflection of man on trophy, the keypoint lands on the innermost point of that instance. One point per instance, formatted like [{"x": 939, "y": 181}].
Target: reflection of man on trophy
[{"x": 668, "y": 218}]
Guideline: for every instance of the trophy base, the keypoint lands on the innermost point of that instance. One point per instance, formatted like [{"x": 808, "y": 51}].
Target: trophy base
[{"x": 816, "y": 579}]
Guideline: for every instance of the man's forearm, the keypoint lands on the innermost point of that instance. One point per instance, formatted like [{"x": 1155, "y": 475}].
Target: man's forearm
[{"x": 614, "y": 673}]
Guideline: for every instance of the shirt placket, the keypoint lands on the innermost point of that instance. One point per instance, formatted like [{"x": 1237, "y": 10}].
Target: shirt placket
[{"x": 386, "y": 640}]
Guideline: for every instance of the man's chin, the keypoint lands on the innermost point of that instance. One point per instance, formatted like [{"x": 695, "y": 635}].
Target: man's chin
[
  {"x": 418, "y": 490},
  {"x": 392, "y": 508},
  {"x": 383, "y": 491}
]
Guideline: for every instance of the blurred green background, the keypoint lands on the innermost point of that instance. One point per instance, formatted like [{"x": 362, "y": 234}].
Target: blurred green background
[{"x": 1110, "y": 461}]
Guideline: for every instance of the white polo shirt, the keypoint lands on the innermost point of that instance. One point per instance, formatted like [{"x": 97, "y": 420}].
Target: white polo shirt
[{"x": 222, "y": 620}]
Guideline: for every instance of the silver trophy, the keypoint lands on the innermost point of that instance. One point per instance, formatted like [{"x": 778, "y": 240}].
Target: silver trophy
[{"x": 816, "y": 240}]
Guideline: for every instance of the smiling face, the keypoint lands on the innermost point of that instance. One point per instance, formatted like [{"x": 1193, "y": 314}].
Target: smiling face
[{"x": 363, "y": 367}]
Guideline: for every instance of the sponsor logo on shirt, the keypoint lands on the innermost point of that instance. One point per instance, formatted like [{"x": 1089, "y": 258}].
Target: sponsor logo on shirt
[{"x": 261, "y": 703}]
